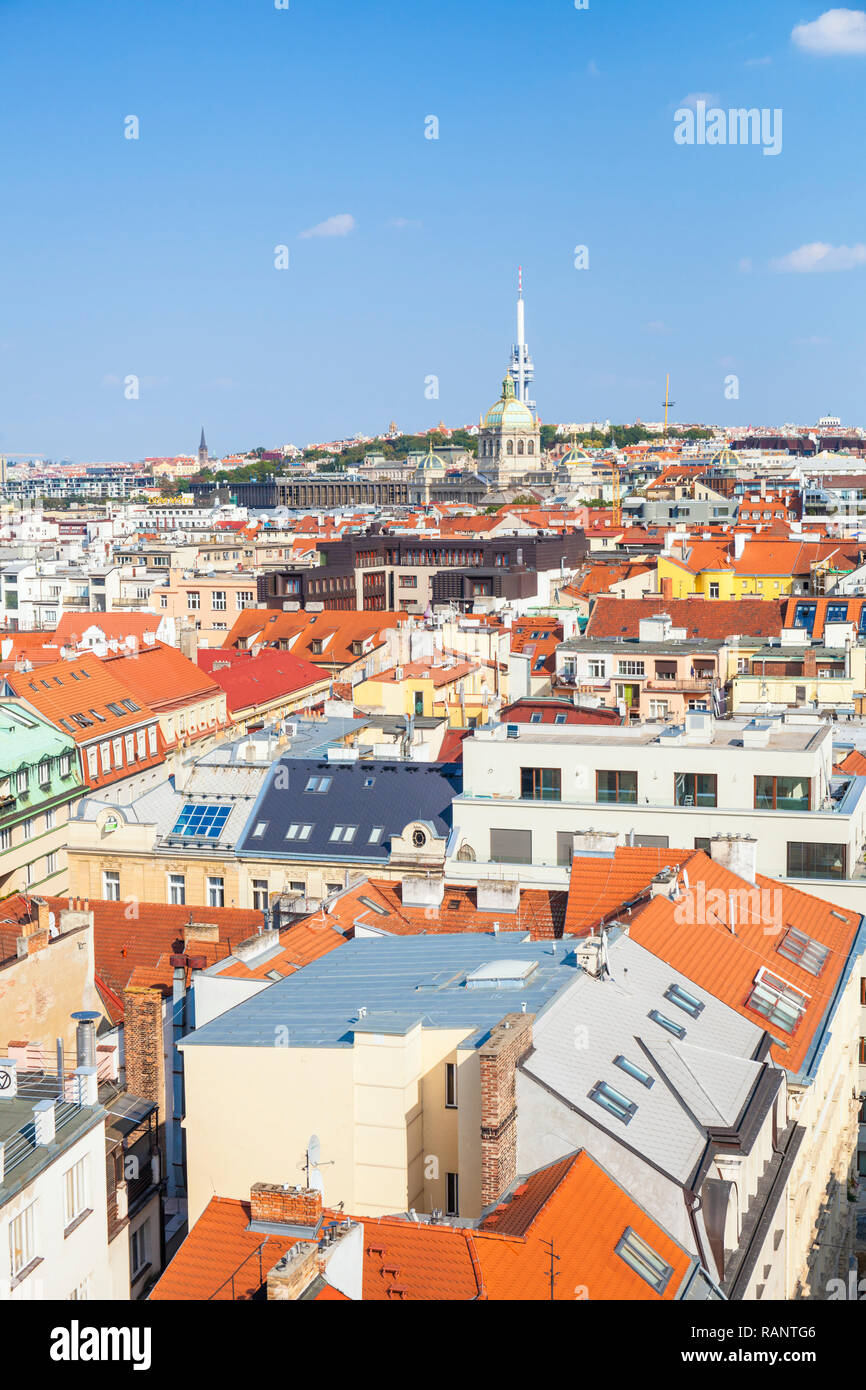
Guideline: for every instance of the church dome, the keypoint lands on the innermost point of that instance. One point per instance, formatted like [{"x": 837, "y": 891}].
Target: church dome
[{"x": 509, "y": 413}]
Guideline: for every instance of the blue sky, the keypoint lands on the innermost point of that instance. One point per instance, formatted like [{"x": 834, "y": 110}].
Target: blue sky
[{"x": 155, "y": 257}]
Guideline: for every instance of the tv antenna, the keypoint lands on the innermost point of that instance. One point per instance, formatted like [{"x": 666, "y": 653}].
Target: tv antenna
[
  {"x": 553, "y": 1273},
  {"x": 313, "y": 1162},
  {"x": 667, "y": 402}
]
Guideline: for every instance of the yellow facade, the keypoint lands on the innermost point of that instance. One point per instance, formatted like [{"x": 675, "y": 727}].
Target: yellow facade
[{"x": 725, "y": 583}]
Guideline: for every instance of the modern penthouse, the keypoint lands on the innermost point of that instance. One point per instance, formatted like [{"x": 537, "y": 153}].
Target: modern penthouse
[{"x": 535, "y": 795}]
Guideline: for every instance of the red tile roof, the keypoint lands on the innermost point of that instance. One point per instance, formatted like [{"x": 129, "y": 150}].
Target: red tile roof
[
  {"x": 301, "y": 629},
  {"x": 854, "y": 608},
  {"x": 506, "y": 1258},
  {"x": 251, "y": 682},
  {"x": 163, "y": 677},
  {"x": 522, "y": 710},
  {"x": 855, "y": 764},
  {"x": 600, "y": 887},
  {"x": 714, "y": 619},
  {"x": 725, "y": 962}
]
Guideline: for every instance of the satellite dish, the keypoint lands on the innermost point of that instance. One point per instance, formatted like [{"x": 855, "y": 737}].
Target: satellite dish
[
  {"x": 315, "y": 1180},
  {"x": 314, "y": 1150}
]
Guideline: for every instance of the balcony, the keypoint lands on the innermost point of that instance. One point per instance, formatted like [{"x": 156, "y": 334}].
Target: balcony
[{"x": 660, "y": 684}]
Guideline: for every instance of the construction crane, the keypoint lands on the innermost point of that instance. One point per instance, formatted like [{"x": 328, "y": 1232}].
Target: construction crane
[
  {"x": 617, "y": 496},
  {"x": 667, "y": 402}
]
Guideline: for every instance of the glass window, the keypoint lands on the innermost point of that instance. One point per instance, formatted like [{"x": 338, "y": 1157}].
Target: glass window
[
  {"x": 451, "y": 1085},
  {"x": 685, "y": 1001},
  {"x": 817, "y": 861},
  {"x": 613, "y": 1101},
  {"x": 177, "y": 889},
  {"x": 777, "y": 1001},
  {"x": 216, "y": 892},
  {"x": 74, "y": 1191},
  {"x": 801, "y": 949},
  {"x": 111, "y": 886},
  {"x": 783, "y": 793},
  {"x": 452, "y": 1200},
  {"x": 641, "y": 1257},
  {"x": 667, "y": 1023},
  {"x": 695, "y": 789},
  {"x": 616, "y": 786},
  {"x": 22, "y": 1239},
  {"x": 635, "y": 1072},
  {"x": 260, "y": 894},
  {"x": 541, "y": 783}
]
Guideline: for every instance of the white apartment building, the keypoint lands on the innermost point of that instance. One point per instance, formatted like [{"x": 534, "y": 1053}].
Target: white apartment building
[
  {"x": 53, "y": 1195},
  {"x": 536, "y": 795}
]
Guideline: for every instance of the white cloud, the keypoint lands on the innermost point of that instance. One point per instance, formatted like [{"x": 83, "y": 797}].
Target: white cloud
[
  {"x": 820, "y": 255},
  {"x": 708, "y": 98},
  {"x": 341, "y": 225},
  {"x": 835, "y": 31}
]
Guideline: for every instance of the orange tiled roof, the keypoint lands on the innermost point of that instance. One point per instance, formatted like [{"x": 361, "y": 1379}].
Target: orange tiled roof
[
  {"x": 854, "y": 607},
  {"x": 855, "y": 764},
  {"x": 163, "y": 677},
  {"x": 725, "y": 962},
  {"x": 406, "y": 1261},
  {"x": 601, "y": 886},
  {"x": 301, "y": 629},
  {"x": 712, "y": 619}
]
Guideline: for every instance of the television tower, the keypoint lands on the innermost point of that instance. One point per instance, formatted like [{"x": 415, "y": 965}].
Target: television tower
[{"x": 522, "y": 369}]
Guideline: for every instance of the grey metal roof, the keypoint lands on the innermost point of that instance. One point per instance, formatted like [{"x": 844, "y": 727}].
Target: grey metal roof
[
  {"x": 367, "y": 794},
  {"x": 708, "y": 1073},
  {"x": 399, "y": 981}
]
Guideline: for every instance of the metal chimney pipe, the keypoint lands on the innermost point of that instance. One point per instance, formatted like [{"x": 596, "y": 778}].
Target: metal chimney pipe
[{"x": 85, "y": 1037}]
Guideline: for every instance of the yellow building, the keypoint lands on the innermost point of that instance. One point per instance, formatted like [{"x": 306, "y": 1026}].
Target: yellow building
[{"x": 458, "y": 690}]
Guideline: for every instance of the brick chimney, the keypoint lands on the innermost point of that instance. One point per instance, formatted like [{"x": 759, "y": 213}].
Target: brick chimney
[
  {"x": 667, "y": 587},
  {"x": 145, "y": 1052},
  {"x": 810, "y": 665},
  {"x": 275, "y": 1204},
  {"x": 509, "y": 1042}
]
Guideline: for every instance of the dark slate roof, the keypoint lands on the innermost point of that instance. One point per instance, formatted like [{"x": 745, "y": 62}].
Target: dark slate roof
[
  {"x": 399, "y": 982},
  {"x": 365, "y": 793}
]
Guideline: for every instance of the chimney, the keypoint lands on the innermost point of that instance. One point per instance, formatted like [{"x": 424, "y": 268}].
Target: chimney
[
  {"x": 664, "y": 885},
  {"x": 294, "y": 1273},
  {"x": 145, "y": 1048},
  {"x": 201, "y": 931},
  {"x": 422, "y": 890},
  {"x": 738, "y": 853},
  {"x": 43, "y": 1122},
  {"x": 85, "y": 1037},
  {"x": 276, "y": 1204},
  {"x": 508, "y": 1043},
  {"x": 497, "y": 895},
  {"x": 8, "y": 1080},
  {"x": 740, "y": 544},
  {"x": 667, "y": 588}
]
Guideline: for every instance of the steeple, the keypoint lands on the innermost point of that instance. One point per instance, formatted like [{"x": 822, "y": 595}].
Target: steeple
[{"x": 202, "y": 449}]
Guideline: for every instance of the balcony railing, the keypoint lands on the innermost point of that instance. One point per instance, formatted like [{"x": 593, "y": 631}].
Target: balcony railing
[{"x": 684, "y": 687}]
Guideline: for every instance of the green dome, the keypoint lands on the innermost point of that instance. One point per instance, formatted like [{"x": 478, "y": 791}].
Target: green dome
[{"x": 509, "y": 413}]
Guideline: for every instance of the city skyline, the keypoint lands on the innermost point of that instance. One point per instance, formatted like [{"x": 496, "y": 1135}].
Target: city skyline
[{"x": 304, "y": 137}]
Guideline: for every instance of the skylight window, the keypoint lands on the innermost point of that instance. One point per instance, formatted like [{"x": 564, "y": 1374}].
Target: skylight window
[
  {"x": 777, "y": 1001},
  {"x": 668, "y": 1023},
  {"x": 115, "y": 709},
  {"x": 202, "y": 822},
  {"x": 685, "y": 1001},
  {"x": 375, "y": 835},
  {"x": 318, "y": 784},
  {"x": 374, "y": 907},
  {"x": 636, "y": 1073},
  {"x": 643, "y": 1260},
  {"x": 131, "y": 706},
  {"x": 97, "y": 715},
  {"x": 613, "y": 1101},
  {"x": 535, "y": 718},
  {"x": 260, "y": 829},
  {"x": 296, "y": 831},
  {"x": 803, "y": 951},
  {"x": 346, "y": 833}
]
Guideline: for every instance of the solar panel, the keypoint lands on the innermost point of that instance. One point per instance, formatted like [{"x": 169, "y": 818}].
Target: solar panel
[{"x": 206, "y": 822}]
